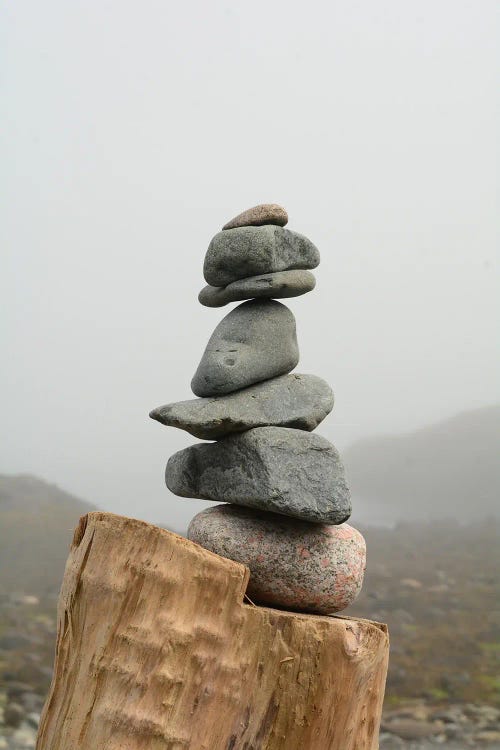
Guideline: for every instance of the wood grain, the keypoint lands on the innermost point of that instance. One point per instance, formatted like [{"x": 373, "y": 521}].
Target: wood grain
[{"x": 157, "y": 650}]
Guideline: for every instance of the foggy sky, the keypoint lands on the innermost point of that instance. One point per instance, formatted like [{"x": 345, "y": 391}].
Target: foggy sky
[{"x": 132, "y": 131}]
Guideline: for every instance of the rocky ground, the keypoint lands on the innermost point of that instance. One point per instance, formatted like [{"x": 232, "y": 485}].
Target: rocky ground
[
  {"x": 20, "y": 708},
  {"x": 414, "y": 727},
  {"x": 420, "y": 726},
  {"x": 27, "y": 632}
]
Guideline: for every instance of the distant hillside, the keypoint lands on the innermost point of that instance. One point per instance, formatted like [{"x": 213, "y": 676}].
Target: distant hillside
[
  {"x": 446, "y": 470},
  {"x": 437, "y": 587},
  {"x": 36, "y": 526}
]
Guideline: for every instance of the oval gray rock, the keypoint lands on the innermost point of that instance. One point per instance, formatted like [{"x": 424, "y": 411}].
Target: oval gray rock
[
  {"x": 255, "y": 341},
  {"x": 298, "y": 401},
  {"x": 252, "y": 251},
  {"x": 278, "y": 469},
  {"x": 271, "y": 285},
  {"x": 264, "y": 213},
  {"x": 293, "y": 564}
]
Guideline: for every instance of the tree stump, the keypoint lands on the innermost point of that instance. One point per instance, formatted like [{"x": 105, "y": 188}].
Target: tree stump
[{"x": 157, "y": 650}]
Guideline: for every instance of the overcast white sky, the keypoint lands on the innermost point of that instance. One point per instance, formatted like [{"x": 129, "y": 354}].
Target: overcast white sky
[{"x": 131, "y": 131}]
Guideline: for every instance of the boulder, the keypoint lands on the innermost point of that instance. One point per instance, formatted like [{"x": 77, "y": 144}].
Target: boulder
[
  {"x": 299, "y": 401},
  {"x": 293, "y": 564},
  {"x": 251, "y": 251},
  {"x": 255, "y": 341},
  {"x": 278, "y": 469}
]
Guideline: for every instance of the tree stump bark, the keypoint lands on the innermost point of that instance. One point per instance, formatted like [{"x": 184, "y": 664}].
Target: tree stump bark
[{"x": 157, "y": 650}]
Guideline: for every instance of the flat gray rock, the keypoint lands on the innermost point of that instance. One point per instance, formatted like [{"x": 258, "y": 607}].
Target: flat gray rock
[
  {"x": 235, "y": 254},
  {"x": 294, "y": 564},
  {"x": 278, "y": 469},
  {"x": 271, "y": 285},
  {"x": 264, "y": 213},
  {"x": 299, "y": 401},
  {"x": 255, "y": 341}
]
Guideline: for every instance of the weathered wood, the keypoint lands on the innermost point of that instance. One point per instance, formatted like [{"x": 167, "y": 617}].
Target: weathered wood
[{"x": 157, "y": 650}]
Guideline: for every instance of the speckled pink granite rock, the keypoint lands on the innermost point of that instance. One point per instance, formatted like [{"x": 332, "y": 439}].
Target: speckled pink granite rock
[{"x": 293, "y": 564}]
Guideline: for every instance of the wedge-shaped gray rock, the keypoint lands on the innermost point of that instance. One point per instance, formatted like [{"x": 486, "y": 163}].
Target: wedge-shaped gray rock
[
  {"x": 255, "y": 341},
  {"x": 299, "y": 401},
  {"x": 285, "y": 471},
  {"x": 251, "y": 251},
  {"x": 271, "y": 285}
]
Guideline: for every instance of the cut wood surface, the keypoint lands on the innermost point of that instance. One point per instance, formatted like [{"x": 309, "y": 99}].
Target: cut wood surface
[{"x": 157, "y": 650}]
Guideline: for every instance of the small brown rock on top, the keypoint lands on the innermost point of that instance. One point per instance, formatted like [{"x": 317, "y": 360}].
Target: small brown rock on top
[{"x": 265, "y": 213}]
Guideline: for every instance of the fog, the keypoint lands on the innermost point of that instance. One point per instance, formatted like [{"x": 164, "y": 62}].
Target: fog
[{"x": 131, "y": 132}]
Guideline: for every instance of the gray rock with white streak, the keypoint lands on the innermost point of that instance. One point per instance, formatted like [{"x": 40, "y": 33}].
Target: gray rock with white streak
[
  {"x": 255, "y": 341},
  {"x": 271, "y": 285},
  {"x": 292, "y": 472},
  {"x": 298, "y": 401},
  {"x": 252, "y": 251}
]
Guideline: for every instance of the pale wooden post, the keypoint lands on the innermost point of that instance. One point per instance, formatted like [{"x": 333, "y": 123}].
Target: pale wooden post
[{"x": 157, "y": 650}]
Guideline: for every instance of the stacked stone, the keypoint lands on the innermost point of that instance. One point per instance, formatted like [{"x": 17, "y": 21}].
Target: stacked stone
[{"x": 284, "y": 488}]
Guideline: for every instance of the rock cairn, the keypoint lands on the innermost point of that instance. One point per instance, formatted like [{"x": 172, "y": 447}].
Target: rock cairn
[{"x": 283, "y": 487}]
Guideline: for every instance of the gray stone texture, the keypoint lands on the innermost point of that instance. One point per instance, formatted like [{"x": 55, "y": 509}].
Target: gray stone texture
[
  {"x": 271, "y": 285},
  {"x": 278, "y": 469},
  {"x": 255, "y": 341},
  {"x": 299, "y": 401},
  {"x": 235, "y": 254},
  {"x": 293, "y": 564},
  {"x": 264, "y": 213}
]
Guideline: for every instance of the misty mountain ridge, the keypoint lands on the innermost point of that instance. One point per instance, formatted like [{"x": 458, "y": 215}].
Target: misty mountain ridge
[
  {"x": 446, "y": 470},
  {"x": 37, "y": 520}
]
